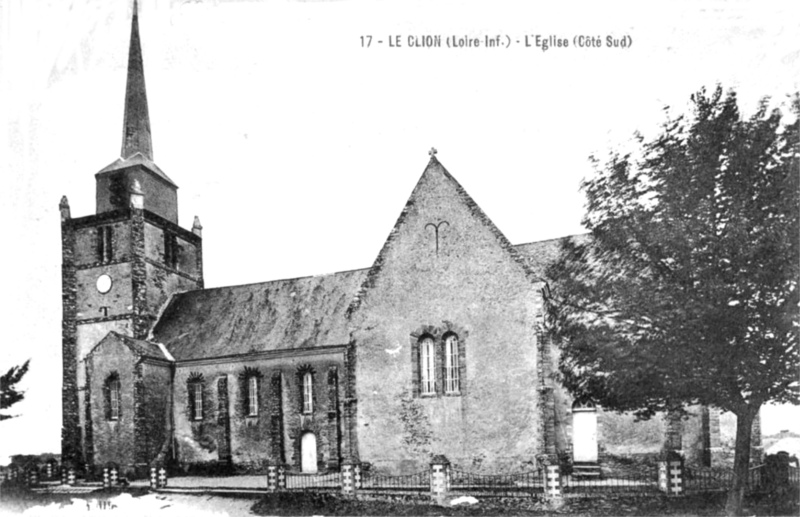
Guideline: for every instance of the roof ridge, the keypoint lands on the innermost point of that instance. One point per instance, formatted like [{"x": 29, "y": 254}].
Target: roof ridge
[
  {"x": 250, "y": 284},
  {"x": 553, "y": 239}
]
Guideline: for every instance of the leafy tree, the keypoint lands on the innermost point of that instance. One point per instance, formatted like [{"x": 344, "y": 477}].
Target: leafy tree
[
  {"x": 686, "y": 291},
  {"x": 9, "y": 394}
]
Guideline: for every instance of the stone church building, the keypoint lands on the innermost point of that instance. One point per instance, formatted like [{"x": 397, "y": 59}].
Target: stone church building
[{"x": 436, "y": 348}]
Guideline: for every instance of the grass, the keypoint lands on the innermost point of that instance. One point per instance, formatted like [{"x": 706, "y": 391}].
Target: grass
[
  {"x": 307, "y": 504},
  {"x": 17, "y": 499}
]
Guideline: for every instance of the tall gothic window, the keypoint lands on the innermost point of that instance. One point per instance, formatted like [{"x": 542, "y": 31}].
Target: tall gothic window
[
  {"x": 112, "y": 388},
  {"x": 252, "y": 396},
  {"x": 308, "y": 392},
  {"x": 196, "y": 399},
  {"x": 451, "y": 378},
  {"x": 426, "y": 365}
]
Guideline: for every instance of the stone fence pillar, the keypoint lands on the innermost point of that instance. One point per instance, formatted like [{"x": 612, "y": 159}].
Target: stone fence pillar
[
  {"x": 281, "y": 477},
  {"x": 106, "y": 478},
  {"x": 33, "y": 476},
  {"x": 552, "y": 480},
  {"x": 272, "y": 477},
  {"x": 71, "y": 476},
  {"x": 158, "y": 477},
  {"x": 440, "y": 478},
  {"x": 350, "y": 477},
  {"x": 671, "y": 473}
]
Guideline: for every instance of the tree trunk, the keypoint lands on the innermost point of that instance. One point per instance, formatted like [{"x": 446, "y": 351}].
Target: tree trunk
[{"x": 741, "y": 460}]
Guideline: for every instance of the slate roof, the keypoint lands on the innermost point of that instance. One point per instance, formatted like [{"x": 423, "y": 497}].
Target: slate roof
[
  {"x": 141, "y": 348},
  {"x": 278, "y": 315},
  {"x": 136, "y": 159},
  {"x": 538, "y": 255}
]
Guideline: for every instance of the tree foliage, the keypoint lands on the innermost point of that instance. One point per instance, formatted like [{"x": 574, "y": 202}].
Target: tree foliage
[
  {"x": 9, "y": 394},
  {"x": 686, "y": 290}
]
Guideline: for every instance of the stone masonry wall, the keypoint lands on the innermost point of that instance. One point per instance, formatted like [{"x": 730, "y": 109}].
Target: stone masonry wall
[
  {"x": 113, "y": 440},
  {"x": 274, "y": 434},
  {"x": 471, "y": 283}
]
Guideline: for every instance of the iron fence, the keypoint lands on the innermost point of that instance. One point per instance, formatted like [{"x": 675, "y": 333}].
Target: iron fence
[
  {"x": 418, "y": 482},
  {"x": 328, "y": 480},
  {"x": 611, "y": 484},
  {"x": 707, "y": 480},
  {"x": 523, "y": 484}
]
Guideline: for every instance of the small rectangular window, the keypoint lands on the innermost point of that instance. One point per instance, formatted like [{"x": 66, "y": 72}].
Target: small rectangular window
[{"x": 252, "y": 396}]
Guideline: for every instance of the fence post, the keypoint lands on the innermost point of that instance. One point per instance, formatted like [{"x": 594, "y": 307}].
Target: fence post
[
  {"x": 272, "y": 477},
  {"x": 106, "y": 478},
  {"x": 71, "y": 475},
  {"x": 356, "y": 476},
  {"x": 162, "y": 477},
  {"x": 49, "y": 469},
  {"x": 153, "y": 478},
  {"x": 552, "y": 481},
  {"x": 281, "y": 477},
  {"x": 670, "y": 473},
  {"x": 440, "y": 478},
  {"x": 347, "y": 479},
  {"x": 113, "y": 475},
  {"x": 33, "y": 477}
]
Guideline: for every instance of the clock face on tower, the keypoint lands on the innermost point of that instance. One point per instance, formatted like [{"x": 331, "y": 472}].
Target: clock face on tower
[{"x": 104, "y": 283}]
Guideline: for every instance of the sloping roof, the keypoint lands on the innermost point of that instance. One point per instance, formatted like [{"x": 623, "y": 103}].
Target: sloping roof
[
  {"x": 140, "y": 347},
  {"x": 540, "y": 254},
  {"x": 137, "y": 159},
  {"x": 283, "y": 314}
]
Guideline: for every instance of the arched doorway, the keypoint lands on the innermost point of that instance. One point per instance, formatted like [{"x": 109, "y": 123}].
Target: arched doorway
[
  {"x": 584, "y": 432},
  {"x": 308, "y": 453}
]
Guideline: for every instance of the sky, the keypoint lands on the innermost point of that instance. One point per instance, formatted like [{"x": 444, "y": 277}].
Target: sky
[{"x": 296, "y": 132}]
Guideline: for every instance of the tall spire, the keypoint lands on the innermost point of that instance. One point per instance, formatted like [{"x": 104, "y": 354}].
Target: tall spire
[{"x": 136, "y": 125}]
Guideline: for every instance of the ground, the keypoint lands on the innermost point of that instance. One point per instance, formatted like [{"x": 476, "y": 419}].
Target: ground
[{"x": 138, "y": 501}]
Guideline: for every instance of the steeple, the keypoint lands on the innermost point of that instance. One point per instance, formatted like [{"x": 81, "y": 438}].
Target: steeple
[
  {"x": 136, "y": 125},
  {"x": 158, "y": 193}
]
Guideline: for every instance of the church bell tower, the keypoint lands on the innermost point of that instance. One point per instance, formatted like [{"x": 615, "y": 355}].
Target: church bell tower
[{"x": 120, "y": 265}]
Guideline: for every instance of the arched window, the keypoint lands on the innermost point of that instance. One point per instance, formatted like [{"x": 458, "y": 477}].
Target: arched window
[
  {"x": 112, "y": 396},
  {"x": 451, "y": 378},
  {"x": 252, "y": 396},
  {"x": 196, "y": 399},
  {"x": 308, "y": 392},
  {"x": 249, "y": 388},
  {"x": 426, "y": 365}
]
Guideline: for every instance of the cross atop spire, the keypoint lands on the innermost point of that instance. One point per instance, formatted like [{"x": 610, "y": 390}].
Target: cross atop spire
[
  {"x": 136, "y": 125},
  {"x": 432, "y": 152}
]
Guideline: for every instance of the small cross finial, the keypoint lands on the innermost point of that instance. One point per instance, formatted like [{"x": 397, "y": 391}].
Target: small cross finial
[{"x": 432, "y": 152}]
